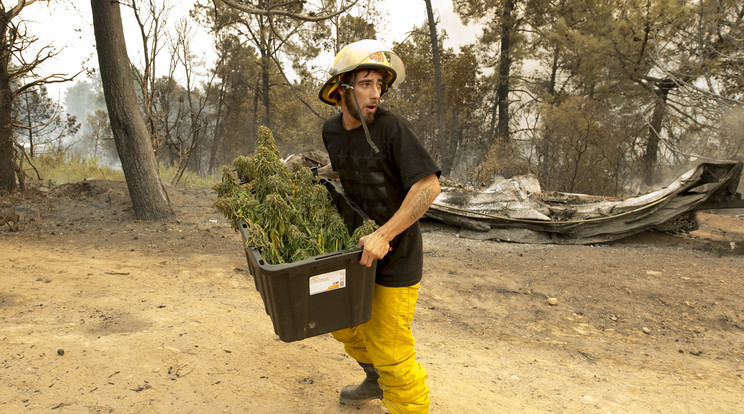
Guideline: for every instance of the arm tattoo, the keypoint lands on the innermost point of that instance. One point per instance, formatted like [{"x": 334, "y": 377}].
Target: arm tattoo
[{"x": 422, "y": 204}]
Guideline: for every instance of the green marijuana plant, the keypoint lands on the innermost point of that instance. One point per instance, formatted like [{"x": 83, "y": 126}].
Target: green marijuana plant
[{"x": 290, "y": 215}]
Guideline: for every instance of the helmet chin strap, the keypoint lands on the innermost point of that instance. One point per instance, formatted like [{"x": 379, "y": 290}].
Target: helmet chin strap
[{"x": 350, "y": 89}]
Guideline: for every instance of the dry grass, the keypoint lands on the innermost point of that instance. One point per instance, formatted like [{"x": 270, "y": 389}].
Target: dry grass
[{"x": 63, "y": 168}]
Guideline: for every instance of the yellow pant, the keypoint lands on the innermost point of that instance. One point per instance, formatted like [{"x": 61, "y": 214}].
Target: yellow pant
[{"x": 386, "y": 342}]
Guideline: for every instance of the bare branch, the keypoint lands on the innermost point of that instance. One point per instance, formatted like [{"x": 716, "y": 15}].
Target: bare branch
[
  {"x": 297, "y": 94},
  {"x": 53, "y": 78},
  {"x": 15, "y": 10},
  {"x": 311, "y": 17}
]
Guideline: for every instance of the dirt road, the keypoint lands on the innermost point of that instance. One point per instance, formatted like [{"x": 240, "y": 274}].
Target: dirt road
[{"x": 102, "y": 313}]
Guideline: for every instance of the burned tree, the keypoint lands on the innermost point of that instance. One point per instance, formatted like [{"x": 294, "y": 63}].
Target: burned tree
[
  {"x": 17, "y": 75},
  {"x": 149, "y": 199}
]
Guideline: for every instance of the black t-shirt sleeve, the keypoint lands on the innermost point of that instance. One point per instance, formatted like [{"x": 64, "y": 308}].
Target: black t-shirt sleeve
[{"x": 409, "y": 155}]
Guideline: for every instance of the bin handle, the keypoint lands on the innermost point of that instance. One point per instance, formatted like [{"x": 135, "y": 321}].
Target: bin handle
[{"x": 327, "y": 255}]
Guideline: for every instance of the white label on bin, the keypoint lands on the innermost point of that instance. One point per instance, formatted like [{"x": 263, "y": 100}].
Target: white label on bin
[{"x": 328, "y": 281}]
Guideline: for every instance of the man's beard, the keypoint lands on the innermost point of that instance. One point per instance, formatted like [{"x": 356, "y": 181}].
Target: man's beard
[{"x": 354, "y": 109}]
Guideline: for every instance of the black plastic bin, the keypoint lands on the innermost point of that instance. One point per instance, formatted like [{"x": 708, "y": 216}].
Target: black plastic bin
[{"x": 320, "y": 294}]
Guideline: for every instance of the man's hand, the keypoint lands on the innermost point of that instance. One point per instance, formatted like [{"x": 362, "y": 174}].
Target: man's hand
[
  {"x": 327, "y": 172},
  {"x": 418, "y": 199},
  {"x": 375, "y": 247}
]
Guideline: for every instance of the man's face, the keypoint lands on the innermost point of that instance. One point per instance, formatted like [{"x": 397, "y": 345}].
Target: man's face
[{"x": 367, "y": 88}]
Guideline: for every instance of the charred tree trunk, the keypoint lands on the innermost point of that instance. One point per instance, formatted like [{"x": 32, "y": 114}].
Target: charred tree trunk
[
  {"x": 650, "y": 156},
  {"x": 7, "y": 152},
  {"x": 217, "y": 129},
  {"x": 553, "y": 72},
  {"x": 505, "y": 62},
  {"x": 445, "y": 156},
  {"x": 146, "y": 190},
  {"x": 454, "y": 139},
  {"x": 265, "y": 67},
  {"x": 29, "y": 125}
]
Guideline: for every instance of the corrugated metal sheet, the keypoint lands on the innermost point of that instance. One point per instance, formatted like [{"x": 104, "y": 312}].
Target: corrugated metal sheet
[{"x": 517, "y": 211}]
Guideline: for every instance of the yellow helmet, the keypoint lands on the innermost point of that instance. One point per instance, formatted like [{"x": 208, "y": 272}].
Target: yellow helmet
[{"x": 367, "y": 53}]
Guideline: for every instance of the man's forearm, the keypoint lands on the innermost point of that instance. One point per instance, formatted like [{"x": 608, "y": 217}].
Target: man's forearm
[
  {"x": 417, "y": 201},
  {"x": 421, "y": 195}
]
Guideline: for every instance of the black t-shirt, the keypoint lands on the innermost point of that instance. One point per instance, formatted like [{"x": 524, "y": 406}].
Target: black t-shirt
[{"x": 378, "y": 183}]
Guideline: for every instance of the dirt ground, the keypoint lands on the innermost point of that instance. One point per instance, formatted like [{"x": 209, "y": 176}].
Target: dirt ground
[{"x": 103, "y": 313}]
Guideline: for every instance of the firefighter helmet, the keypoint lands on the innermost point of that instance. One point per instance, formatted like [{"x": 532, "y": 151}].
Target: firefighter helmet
[{"x": 368, "y": 53}]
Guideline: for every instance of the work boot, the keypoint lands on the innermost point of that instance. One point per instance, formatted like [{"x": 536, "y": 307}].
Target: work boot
[{"x": 369, "y": 389}]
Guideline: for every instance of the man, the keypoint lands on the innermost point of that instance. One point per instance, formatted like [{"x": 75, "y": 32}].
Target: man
[{"x": 387, "y": 172}]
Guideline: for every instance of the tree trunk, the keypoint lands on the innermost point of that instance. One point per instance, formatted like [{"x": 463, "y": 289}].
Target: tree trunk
[
  {"x": 217, "y": 129},
  {"x": 445, "y": 156},
  {"x": 7, "y": 153},
  {"x": 29, "y": 125},
  {"x": 652, "y": 145},
  {"x": 553, "y": 73},
  {"x": 508, "y": 28},
  {"x": 454, "y": 140},
  {"x": 265, "y": 67},
  {"x": 493, "y": 108},
  {"x": 146, "y": 190}
]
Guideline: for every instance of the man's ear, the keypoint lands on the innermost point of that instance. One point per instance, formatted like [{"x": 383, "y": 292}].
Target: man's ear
[{"x": 342, "y": 91}]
